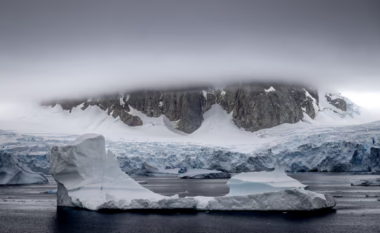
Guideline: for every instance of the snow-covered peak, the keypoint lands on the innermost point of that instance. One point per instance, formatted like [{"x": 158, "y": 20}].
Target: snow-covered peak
[{"x": 271, "y": 89}]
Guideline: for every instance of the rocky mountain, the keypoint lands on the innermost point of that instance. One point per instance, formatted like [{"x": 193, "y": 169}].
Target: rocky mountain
[{"x": 253, "y": 106}]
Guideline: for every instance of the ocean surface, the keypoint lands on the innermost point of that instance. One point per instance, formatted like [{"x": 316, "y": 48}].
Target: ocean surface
[{"x": 27, "y": 208}]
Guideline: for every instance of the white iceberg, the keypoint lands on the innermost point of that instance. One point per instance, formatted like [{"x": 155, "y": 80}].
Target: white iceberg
[
  {"x": 90, "y": 178},
  {"x": 12, "y": 172},
  {"x": 203, "y": 174},
  {"x": 247, "y": 183}
]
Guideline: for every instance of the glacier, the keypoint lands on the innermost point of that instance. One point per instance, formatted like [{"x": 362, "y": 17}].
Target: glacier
[
  {"x": 88, "y": 177},
  {"x": 14, "y": 173},
  {"x": 353, "y": 148}
]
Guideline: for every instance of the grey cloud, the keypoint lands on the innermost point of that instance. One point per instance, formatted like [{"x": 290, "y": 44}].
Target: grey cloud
[{"x": 69, "y": 48}]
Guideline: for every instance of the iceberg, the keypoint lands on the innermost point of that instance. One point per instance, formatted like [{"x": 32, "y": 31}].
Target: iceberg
[
  {"x": 369, "y": 182},
  {"x": 89, "y": 177},
  {"x": 247, "y": 183},
  {"x": 12, "y": 172},
  {"x": 204, "y": 174}
]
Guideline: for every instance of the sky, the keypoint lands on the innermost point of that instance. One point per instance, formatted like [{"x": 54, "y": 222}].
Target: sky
[{"x": 53, "y": 49}]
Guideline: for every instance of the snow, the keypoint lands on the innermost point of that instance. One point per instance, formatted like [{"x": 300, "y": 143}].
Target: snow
[
  {"x": 218, "y": 128},
  {"x": 122, "y": 103},
  {"x": 204, "y": 93},
  {"x": 247, "y": 183},
  {"x": 271, "y": 89},
  {"x": 89, "y": 177},
  {"x": 315, "y": 102}
]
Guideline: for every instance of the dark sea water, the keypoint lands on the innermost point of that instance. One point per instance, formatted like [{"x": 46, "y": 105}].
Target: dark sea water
[{"x": 25, "y": 209}]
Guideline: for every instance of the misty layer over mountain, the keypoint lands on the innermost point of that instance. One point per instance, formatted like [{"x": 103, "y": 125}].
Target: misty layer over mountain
[{"x": 73, "y": 48}]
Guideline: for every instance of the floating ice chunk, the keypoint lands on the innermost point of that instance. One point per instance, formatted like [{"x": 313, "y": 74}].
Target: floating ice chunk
[
  {"x": 50, "y": 192},
  {"x": 260, "y": 182},
  {"x": 12, "y": 172},
  {"x": 369, "y": 182},
  {"x": 90, "y": 178},
  {"x": 285, "y": 200},
  {"x": 203, "y": 174},
  {"x": 87, "y": 176}
]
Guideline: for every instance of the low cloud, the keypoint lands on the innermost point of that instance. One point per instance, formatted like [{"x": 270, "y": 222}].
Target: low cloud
[{"x": 66, "y": 50}]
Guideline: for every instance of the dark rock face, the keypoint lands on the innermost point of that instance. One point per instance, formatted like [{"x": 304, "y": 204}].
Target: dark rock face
[
  {"x": 254, "y": 106},
  {"x": 182, "y": 106},
  {"x": 338, "y": 103},
  {"x": 191, "y": 112}
]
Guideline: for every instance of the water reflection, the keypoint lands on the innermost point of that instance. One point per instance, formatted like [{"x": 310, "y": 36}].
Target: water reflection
[{"x": 78, "y": 220}]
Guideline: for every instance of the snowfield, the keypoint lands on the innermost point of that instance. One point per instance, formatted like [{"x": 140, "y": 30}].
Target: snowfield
[{"x": 89, "y": 177}]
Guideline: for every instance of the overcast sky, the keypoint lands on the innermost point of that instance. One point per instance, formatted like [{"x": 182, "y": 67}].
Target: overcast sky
[{"x": 79, "y": 47}]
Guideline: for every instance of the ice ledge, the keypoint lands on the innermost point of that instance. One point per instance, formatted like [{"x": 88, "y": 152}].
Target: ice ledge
[{"x": 89, "y": 177}]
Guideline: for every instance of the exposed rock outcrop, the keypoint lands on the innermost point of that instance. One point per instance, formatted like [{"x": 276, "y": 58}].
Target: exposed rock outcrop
[
  {"x": 253, "y": 106},
  {"x": 257, "y": 107},
  {"x": 337, "y": 102}
]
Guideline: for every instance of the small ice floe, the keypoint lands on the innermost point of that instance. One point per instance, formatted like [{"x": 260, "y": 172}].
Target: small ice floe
[
  {"x": 370, "y": 182},
  {"x": 50, "y": 191},
  {"x": 204, "y": 174}
]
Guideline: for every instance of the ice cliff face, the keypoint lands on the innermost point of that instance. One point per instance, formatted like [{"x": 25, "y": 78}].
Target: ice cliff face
[
  {"x": 332, "y": 149},
  {"x": 12, "y": 172},
  {"x": 19, "y": 163},
  {"x": 254, "y": 106}
]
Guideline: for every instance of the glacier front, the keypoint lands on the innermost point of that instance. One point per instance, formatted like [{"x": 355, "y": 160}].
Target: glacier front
[
  {"x": 12, "y": 172},
  {"x": 89, "y": 177}
]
